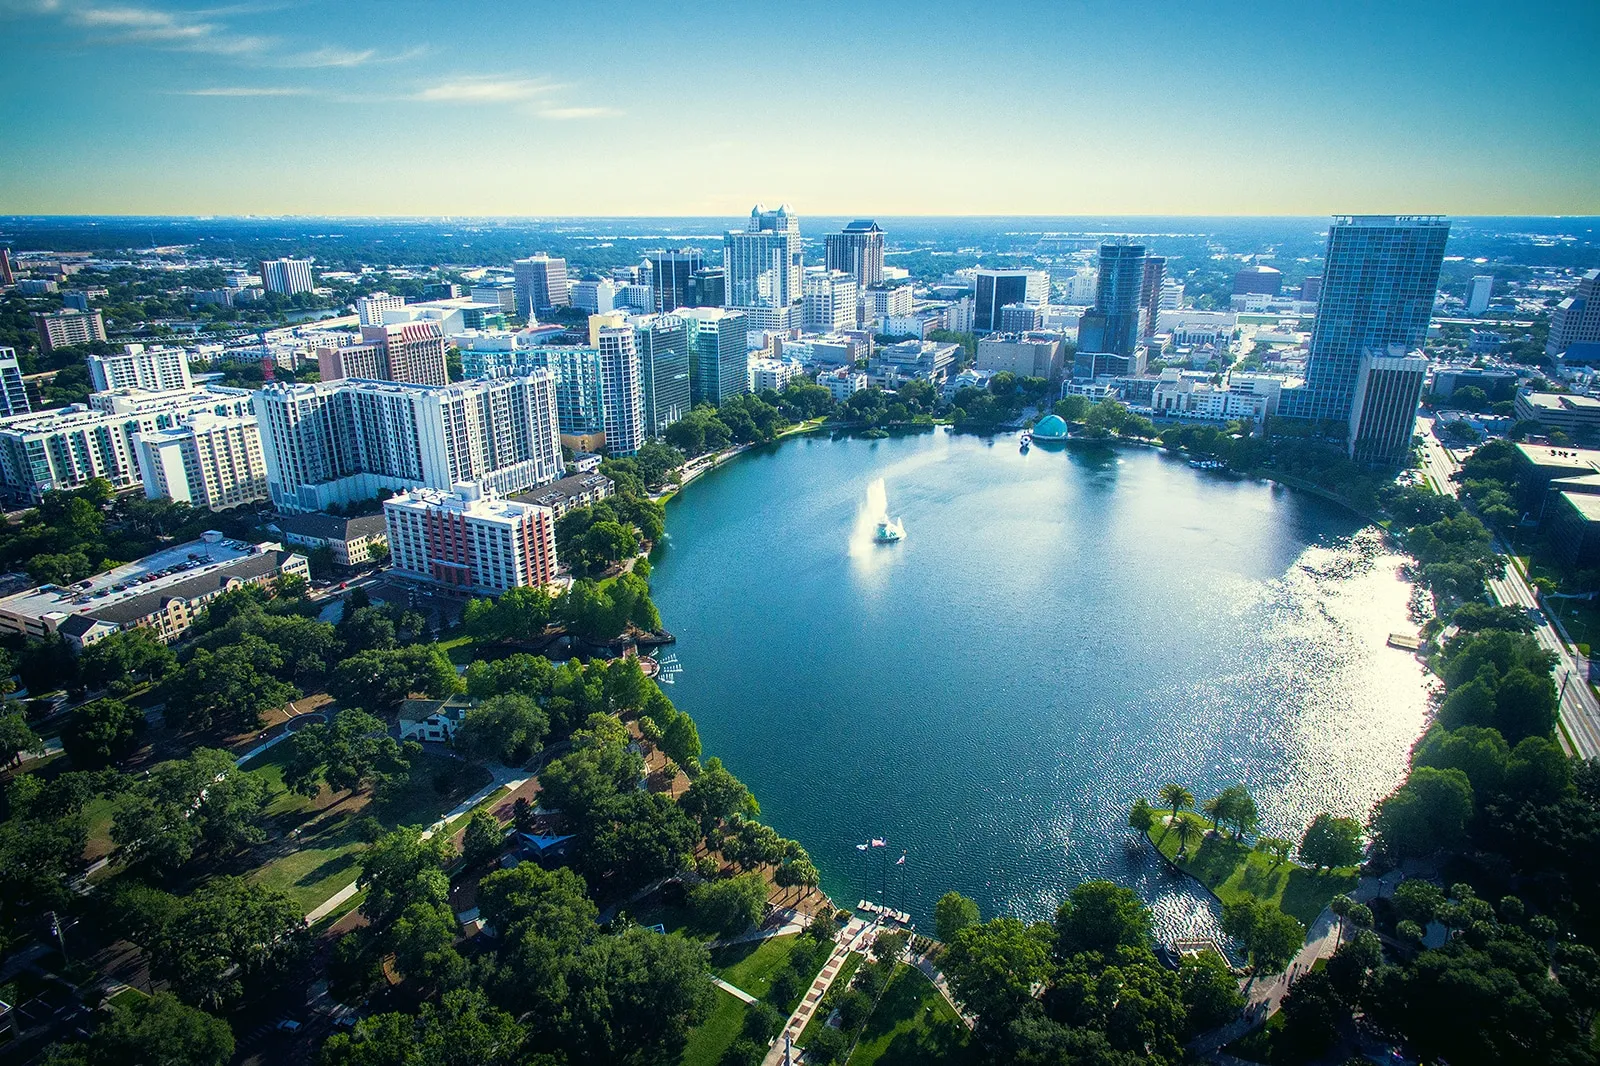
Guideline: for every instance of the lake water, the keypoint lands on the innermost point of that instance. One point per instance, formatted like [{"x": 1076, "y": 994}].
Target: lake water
[{"x": 1058, "y": 633}]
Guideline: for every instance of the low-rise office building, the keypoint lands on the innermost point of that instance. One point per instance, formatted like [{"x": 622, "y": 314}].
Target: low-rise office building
[
  {"x": 165, "y": 591},
  {"x": 576, "y": 490},
  {"x": 1027, "y": 355},
  {"x": 915, "y": 360},
  {"x": 1569, "y": 413},
  {"x": 351, "y": 540}
]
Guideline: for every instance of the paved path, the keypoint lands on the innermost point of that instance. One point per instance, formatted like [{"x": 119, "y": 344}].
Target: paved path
[
  {"x": 736, "y": 993},
  {"x": 502, "y": 776},
  {"x": 793, "y": 922},
  {"x": 934, "y": 974},
  {"x": 856, "y": 936},
  {"x": 285, "y": 732}
]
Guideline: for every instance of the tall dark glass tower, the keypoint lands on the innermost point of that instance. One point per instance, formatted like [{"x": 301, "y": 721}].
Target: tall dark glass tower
[
  {"x": 858, "y": 251},
  {"x": 1379, "y": 280},
  {"x": 663, "y": 343},
  {"x": 670, "y": 273},
  {"x": 1113, "y": 325}
]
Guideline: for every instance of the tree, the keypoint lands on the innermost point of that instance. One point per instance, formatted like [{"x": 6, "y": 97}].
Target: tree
[
  {"x": 230, "y": 938},
  {"x": 231, "y": 687},
  {"x": 484, "y": 838},
  {"x": 1186, "y": 833},
  {"x": 1209, "y": 990},
  {"x": 130, "y": 653},
  {"x": 953, "y": 913},
  {"x": 730, "y": 906},
  {"x": 16, "y": 738},
  {"x": 634, "y": 997},
  {"x": 380, "y": 678},
  {"x": 717, "y": 795},
  {"x": 1331, "y": 841},
  {"x": 462, "y": 1028},
  {"x": 1239, "y": 809},
  {"x": 186, "y": 805},
  {"x": 1428, "y": 813},
  {"x": 101, "y": 733},
  {"x": 509, "y": 728},
  {"x": 1141, "y": 816},
  {"x": 1102, "y": 916},
  {"x": 353, "y": 752},
  {"x": 1177, "y": 798},
  {"x": 153, "y": 1029},
  {"x": 423, "y": 939},
  {"x": 1270, "y": 936},
  {"x": 528, "y": 900},
  {"x": 400, "y": 869},
  {"x": 994, "y": 966}
]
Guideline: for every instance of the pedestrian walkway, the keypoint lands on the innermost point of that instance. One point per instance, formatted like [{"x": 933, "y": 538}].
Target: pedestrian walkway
[
  {"x": 856, "y": 936},
  {"x": 503, "y": 777},
  {"x": 737, "y": 993}
]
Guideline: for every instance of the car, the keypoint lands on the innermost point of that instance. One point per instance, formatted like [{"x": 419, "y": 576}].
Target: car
[{"x": 288, "y": 1025}]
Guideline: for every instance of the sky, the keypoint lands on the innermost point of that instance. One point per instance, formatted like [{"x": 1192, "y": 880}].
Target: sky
[{"x": 424, "y": 107}]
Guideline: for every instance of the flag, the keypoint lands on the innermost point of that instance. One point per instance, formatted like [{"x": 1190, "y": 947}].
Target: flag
[
  {"x": 861, "y": 847},
  {"x": 877, "y": 843},
  {"x": 901, "y": 861}
]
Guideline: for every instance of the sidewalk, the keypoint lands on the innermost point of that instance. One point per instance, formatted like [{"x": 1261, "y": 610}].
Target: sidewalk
[
  {"x": 856, "y": 936},
  {"x": 502, "y": 776},
  {"x": 934, "y": 974}
]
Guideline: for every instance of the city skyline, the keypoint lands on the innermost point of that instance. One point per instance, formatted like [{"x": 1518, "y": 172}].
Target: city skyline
[{"x": 250, "y": 109}]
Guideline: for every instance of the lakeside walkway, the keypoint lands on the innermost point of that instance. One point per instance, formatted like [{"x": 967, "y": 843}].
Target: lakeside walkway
[{"x": 857, "y": 935}]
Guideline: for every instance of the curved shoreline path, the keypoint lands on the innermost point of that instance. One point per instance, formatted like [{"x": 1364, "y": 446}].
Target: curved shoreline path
[{"x": 1058, "y": 632}]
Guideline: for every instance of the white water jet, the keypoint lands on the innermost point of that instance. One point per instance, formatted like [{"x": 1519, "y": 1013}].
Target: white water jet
[{"x": 871, "y": 511}]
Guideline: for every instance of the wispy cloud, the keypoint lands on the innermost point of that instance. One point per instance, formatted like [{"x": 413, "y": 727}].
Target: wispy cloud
[
  {"x": 487, "y": 90},
  {"x": 161, "y": 28},
  {"x": 244, "y": 90},
  {"x": 567, "y": 114},
  {"x": 347, "y": 57}
]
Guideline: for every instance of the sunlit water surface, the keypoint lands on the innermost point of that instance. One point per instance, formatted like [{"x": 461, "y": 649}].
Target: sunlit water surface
[{"x": 1058, "y": 633}]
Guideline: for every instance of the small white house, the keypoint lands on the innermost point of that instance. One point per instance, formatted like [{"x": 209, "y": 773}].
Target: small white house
[{"x": 432, "y": 720}]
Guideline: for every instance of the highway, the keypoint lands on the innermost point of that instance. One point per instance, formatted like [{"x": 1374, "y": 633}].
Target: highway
[{"x": 1580, "y": 709}]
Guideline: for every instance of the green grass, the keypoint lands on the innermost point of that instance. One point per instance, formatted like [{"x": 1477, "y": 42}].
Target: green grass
[
  {"x": 712, "y": 1038},
  {"x": 330, "y": 841},
  {"x": 462, "y": 649},
  {"x": 912, "y": 1025},
  {"x": 126, "y": 997},
  {"x": 99, "y": 811},
  {"x": 1258, "y": 1045},
  {"x": 750, "y": 968},
  {"x": 1233, "y": 872}
]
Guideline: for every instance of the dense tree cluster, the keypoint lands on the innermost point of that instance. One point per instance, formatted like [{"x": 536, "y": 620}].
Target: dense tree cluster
[{"x": 1105, "y": 996}]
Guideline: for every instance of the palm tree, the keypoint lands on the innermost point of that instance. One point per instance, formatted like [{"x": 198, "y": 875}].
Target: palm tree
[
  {"x": 1185, "y": 831},
  {"x": 1177, "y": 797},
  {"x": 1216, "y": 808}
]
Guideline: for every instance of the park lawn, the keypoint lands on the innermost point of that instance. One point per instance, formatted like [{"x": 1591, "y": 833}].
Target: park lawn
[
  {"x": 99, "y": 811},
  {"x": 1234, "y": 871},
  {"x": 126, "y": 998},
  {"x": 711, "y": 1039},
  {"x": 1259, "y": 1045},
  {"x": 461, "y": 648},
  {"x": 329, "y": 838},
  {"x": 912, "y": 1025}
]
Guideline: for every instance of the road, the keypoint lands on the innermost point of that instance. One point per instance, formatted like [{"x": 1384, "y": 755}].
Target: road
[{"x": 1580, "y": 709}]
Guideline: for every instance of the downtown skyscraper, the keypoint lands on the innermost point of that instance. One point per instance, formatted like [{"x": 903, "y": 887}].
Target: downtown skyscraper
[
  {"x": 1379, "y": 279},
  {"x": 1112, "y": 326},
  {"x": 857, "y": 250},
  {"x": 763, "y": 261}
]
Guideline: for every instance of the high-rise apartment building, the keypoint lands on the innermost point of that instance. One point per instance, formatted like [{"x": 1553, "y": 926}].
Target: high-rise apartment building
[
  {"x": 595, "y": 295},
  {"x": 1155, "y": 276},
  {"x": 137, "y": 367},
  {"x": 370, "y": 309},
  {"x": 1379, "y": 279},
  {"x": 541, "y": 284},
  {"x": 1112, "y": 325},
  {"x": 1576, "y": 320},
  {"x": 719, "y": 351},
  {"x": 212, "y": 462},
  {"x": 286, "y": 276},
  {"x": 829, "y": 301},
  {"x": 858, "y": 251},
  {"x": 1383, "y": 410},
  {"x": 663, "y": 344},
  {"x": 994, "y": 289},
  {"x": 621, "y": 391},
  {"x": 58, "y": 329},
  {"x": 7, "y": 275},
  {"x": 13, "y": 390},
  {"x": 670, "y": 272},
  {"x": 410, "y": 352},
  {"x": 470, "y": 540},
  {"x": 1479, "y": 293},
  {"x": 338, "y": 442},
  {"x": 763, "y": 262}
]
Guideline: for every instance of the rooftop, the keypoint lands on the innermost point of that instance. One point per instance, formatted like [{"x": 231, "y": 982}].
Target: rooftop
[
  {"x": 1550, "y": 455},
  {"x": 161, "y": 573},
  {"x": 1586, "y": 504},
  {"x": 330, "y": 527}
]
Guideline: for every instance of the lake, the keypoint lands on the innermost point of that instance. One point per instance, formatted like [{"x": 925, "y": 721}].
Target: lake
[{"x": 1058, "y": 633}]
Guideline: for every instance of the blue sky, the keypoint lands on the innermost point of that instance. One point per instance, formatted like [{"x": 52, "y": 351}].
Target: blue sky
[{"x": 489, "y": 108}]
